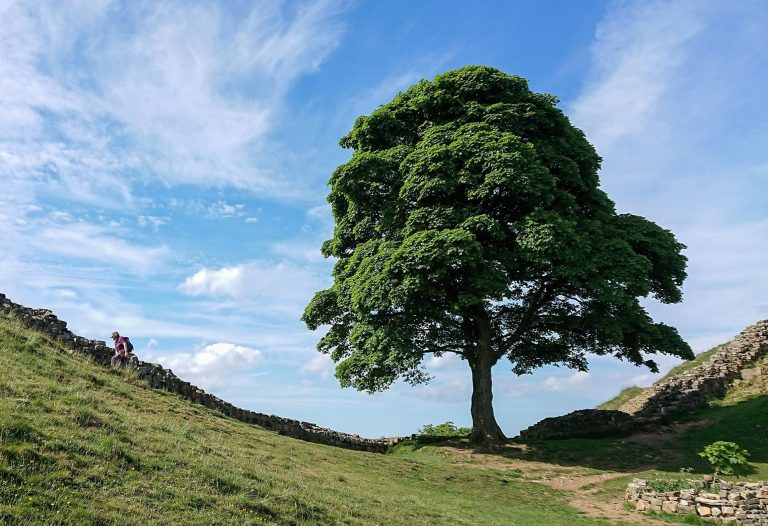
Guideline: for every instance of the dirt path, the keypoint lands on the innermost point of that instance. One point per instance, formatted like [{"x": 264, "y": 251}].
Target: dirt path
[
  {"x": 585, "y": 489},
  {"x": 584, "y": 486}
]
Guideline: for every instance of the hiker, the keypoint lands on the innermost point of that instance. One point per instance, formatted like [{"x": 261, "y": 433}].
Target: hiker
[{"x": 122, "y": 350}]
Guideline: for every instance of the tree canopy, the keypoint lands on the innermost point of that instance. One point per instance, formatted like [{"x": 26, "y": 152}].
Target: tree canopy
[{"x": 469, "y": 220}]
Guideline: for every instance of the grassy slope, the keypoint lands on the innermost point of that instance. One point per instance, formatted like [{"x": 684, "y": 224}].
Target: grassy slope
[
  {"x": 83, "y": 445},
  {"x": 626, "y": 394},
  {"x": 739, "y": 417}
]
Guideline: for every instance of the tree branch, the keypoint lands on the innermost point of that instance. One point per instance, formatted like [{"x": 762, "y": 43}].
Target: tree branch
[
  {"x": 541, "y": 296},
  {"x": 441, "y": 349}
]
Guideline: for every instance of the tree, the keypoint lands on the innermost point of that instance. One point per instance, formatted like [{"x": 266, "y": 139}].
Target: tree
[
  {"x": 469, "y": 220},
  {"x": 724, "y": 456}
]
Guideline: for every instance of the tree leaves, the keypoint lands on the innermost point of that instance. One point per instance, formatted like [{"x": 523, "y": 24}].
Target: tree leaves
[{"x": 471, "y": 204}]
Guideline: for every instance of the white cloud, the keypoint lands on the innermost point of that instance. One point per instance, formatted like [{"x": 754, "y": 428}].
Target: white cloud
[
  {"x": 560, "y": 383},
  {"x": 221, "y": 209},
  {"x": 308, "y": 251},
  {"x": 65, "y": 294},
  {"x": 226, "y": 281},
  {"x": 154, "y": 221},
  {"x": 151, "y": 346},
  {"x": 320, "y": 364},
  {"x": 441, "y": 362},
  {"x": 320, "y": 213},
  {"x": 212, "y": 366},
  {"x": 276, "y": 289},
  {"x": 448, "y": 391},
  {"x": 638, "y": 47}
]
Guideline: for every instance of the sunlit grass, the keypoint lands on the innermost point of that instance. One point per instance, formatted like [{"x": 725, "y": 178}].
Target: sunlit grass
[{"x": 80, "y": 444}]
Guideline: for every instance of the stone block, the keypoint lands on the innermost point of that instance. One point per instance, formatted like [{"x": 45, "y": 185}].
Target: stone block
[{"x": 711, "y": 502}]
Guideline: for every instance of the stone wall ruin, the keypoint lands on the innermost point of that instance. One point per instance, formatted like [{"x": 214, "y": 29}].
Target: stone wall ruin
[
  {"x": 725, "y": 503},
  {"x": 45, "y": 322},
  {"x": 675, "y": 395}
]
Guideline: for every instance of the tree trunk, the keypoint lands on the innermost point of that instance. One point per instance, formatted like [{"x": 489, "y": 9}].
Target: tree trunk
[{"x": 486, "y": 432}]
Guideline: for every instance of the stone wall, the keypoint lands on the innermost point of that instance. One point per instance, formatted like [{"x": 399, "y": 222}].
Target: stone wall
[
  {"x": 693, "y": 388},
  {"x": 584, "y": 423},
  {"x": 739, "y": 503},
  {"x": 155, "y": 375},
  {"x": 675, "y": 395}
]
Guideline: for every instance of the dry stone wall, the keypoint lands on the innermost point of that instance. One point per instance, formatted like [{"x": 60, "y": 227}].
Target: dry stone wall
[
  {"x": 691, "y": 389},
  {"x": 724, "y": 503},
  {"x": 584, "y": 423},
  {"x": 155, "y": 375}
]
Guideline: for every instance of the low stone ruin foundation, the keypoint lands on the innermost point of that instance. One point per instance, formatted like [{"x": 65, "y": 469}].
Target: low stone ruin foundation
[{"x": 723, "y": 502}]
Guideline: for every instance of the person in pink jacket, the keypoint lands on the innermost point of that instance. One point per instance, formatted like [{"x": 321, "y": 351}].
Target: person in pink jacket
[{"x": 121, "y": 350}]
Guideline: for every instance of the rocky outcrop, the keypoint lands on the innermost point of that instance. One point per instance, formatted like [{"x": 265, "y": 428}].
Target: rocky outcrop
[
  {"x": 45, "y": 322},
  {"x": 722, "y": 502}
]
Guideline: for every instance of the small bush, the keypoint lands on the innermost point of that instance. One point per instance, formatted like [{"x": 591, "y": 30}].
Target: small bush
[
  {"x": 667, "y": 485},
  {"x": 724, "y": 456},
  {"x": 446, "y": 429}
]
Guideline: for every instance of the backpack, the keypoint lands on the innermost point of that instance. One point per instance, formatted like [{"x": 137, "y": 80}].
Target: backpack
[{"x": 128, "y": 345}]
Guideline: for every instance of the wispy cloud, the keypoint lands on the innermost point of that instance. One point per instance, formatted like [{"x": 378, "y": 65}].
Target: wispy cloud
[
  {"x": 174, "y": 91},
  {"x": 672, "y": 104},
  {"x": 638, "y": 48},
  {"x": 280, "y": 288},
  {"x": 93, "y": 243}
]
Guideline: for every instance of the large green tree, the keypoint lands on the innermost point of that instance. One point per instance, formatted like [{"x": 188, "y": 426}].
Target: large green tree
[{"x": 469, "y": 220}]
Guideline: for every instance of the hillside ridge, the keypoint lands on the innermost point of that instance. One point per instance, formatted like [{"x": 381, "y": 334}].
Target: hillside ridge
[
  {"x": 737, "y": 362},
  {"x": 693, "y": 387},
  {"x": 47, "y": 323}
]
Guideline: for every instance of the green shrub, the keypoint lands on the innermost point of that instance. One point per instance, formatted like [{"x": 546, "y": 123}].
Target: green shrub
[
  {"x": 724, "y": 456},
  {"x": 667, "y": 485},
  {"x": 446, "y": 429}
]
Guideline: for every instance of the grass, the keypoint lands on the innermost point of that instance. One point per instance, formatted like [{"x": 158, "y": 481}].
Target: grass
[
  {"x": 80, "y": 444},
  {"x": 83, "y": 445},
  {"x": 679, "y": 519},
  {"x": 627, "y": 394}
]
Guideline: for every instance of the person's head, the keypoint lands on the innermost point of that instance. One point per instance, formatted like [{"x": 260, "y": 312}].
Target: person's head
[{"x": 115, "y": 335}]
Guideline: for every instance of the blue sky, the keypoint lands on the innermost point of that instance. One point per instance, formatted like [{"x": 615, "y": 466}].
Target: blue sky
[{"x": 163, "y": 168}]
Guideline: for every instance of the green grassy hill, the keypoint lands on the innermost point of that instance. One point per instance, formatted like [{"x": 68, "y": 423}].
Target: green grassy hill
[{"x": 80, "y": 444}]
